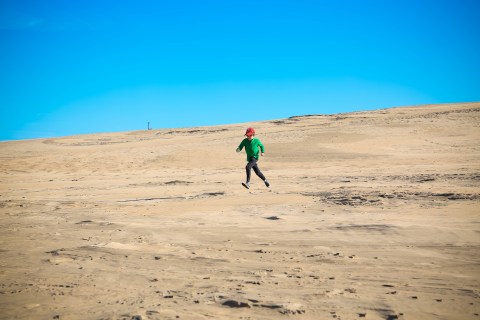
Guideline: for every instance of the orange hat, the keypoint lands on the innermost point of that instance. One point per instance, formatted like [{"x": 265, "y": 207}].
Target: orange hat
[{"x": 250, "y": 132}]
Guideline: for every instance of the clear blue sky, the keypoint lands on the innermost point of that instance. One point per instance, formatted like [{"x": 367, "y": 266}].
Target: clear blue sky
[{"x": 72, "y": 67}]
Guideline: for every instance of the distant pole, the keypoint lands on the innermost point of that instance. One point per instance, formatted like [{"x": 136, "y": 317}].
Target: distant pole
[{"x": 148, "y": 126}]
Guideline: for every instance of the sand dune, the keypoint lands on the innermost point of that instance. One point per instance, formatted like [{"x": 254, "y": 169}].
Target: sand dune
[{"x": 370, "y": 215}]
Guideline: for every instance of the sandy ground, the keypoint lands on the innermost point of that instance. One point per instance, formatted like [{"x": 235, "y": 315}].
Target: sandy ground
[{"x": 370, "y": 215}]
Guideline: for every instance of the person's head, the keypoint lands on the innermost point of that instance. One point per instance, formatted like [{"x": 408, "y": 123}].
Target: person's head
[{"x": 250, "y": 133}]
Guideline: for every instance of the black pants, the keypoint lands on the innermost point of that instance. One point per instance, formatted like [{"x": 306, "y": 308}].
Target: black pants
[{"x": 252, "y": 164}]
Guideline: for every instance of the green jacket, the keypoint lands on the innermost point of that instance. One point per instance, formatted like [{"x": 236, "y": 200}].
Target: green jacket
[{"x": 251, "y": 147}]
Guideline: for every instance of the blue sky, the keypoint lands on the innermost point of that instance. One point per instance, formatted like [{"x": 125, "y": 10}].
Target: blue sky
[{"x": 73, "y": 67}]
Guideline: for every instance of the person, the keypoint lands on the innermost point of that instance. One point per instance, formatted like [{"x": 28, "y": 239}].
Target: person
[{"x": 252, "y": 145}]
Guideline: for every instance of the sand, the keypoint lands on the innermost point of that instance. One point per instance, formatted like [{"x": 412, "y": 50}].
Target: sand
[{"x": 370, "y": 215}]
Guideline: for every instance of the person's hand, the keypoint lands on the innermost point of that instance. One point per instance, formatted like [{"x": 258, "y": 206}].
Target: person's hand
[
  {"x": 238, "y": 149},
  {"x": 263, "y": 154}
]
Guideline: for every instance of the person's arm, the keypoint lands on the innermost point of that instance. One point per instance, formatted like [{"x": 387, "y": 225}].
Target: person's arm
[
  {"x": 240, "y": 147},
  {"x": 262, "y": 148}
]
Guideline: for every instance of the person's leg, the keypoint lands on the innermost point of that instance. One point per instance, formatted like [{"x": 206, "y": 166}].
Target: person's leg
[
  {"x": 258, "y": 172},
  {"x": 260, "y": 175},
  {"x": 249, "y": 166}
]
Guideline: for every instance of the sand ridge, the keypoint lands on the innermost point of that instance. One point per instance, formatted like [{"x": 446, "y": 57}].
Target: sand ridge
[{"x": 370, "y": 215}]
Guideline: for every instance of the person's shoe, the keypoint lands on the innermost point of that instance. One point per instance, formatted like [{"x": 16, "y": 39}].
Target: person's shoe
[
  {"x": 266, "y": 183},
  {"x": 246, "y": 185}
]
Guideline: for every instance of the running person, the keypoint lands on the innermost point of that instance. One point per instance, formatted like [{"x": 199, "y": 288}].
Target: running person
[{"x": 252, "y": 145}]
